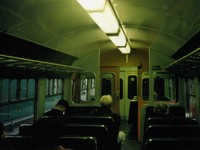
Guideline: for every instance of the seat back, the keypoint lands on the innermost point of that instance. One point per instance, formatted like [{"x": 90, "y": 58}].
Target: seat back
[
  {"x": 100, "y": 132},
  {"x": 170, "y": 121},
  {"x": 172, "y": 131},
  {"x": 81, "y": 111},
  {"x": 172, "y": 144},
  {"x": 72, "y": 142},
  {"x": 176, "y": 111}
]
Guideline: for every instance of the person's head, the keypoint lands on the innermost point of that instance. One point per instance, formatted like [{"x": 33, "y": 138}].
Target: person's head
[
  {"x": 106, "y": 101},
  {"x": 62, "y": 105},
  {"x": 2, "y": 131},
  {"x": 161, "y": 108}
]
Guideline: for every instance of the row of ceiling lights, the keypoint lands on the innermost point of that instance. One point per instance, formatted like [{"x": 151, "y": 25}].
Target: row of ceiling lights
[{"x": 102, "y": 12}]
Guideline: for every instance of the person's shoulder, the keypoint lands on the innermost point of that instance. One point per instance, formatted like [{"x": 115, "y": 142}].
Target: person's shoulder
[{"x": 54, "y": 112}]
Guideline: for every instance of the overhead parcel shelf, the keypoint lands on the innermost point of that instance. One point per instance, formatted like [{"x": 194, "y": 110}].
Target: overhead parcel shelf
[
  {"x": 187, "y": 65},
  {"x": 12, "y": 62}
]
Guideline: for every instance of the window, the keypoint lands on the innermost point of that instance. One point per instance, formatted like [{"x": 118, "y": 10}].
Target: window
[
  {"x": 31, "y": 88},
  {"x": 132, "y": 86},
  {"x": 83, "y": 87},
  {"x": 54, "y": 86},
  {"x": 5, "y": 90},
  {"x": 23, "y": 89},
  {"x": 13, "y": 90},
  {"x": 145, "y": 88}
]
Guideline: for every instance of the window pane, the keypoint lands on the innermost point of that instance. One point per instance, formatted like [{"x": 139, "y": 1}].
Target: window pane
[
  {"x": 13, "y": 90},
  {"x": 23, "y": 88},
  {"x": 55, "y": 86},
  {"x": 51, "y": 87},
  {"x": 159, "y": 88},
  {"x": 106, "y": 86},
  {"x": 47, "y": 86},
  {"x": 145, "y": 89},
  {"x": 60, "y": 86},
  {"x": 31, "y": 88},
  {"x": 5, "y": 90},
  {"x": 84, "y": 83}
]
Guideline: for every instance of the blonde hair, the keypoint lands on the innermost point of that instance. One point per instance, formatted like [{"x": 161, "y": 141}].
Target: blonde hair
[{"x": 106, "y": 101}]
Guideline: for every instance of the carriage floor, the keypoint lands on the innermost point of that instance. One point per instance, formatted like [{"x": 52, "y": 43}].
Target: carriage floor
[{"x": 131, "y": 142}]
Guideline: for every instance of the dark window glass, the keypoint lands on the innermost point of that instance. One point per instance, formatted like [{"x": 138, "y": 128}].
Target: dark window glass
[
  {"x": 145, "y": 89},
  {"x": 159, "y": 87},
  {"x": 132, "y": 86},
  {"x": 5, "y": 90},
  {"x": 106, "y": 86},
  {"x": 13, "y": 89},
  {"x": 31, "y": 88},
  {"x": 23, "y": 88}
]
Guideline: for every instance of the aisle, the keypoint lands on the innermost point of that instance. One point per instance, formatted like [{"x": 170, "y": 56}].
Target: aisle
[{"x": 131, "y": 142}]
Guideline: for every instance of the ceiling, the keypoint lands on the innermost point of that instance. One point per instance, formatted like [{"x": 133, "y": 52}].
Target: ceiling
[{"x": 162, "y": 25}]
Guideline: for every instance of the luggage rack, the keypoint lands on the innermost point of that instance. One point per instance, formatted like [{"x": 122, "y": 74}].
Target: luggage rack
[
  {"x": 188, "y": 65},
  {"x": 9, "y": 63}
]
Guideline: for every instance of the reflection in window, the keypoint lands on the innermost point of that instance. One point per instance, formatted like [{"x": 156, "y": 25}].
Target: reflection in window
[
  {"x": 54, "y": 86},
  {"x": 60, "y": 86},
  {"x": 84, "y": 83},
  {"x": 92, "y": 90},
  {"x": 164, "y": 86},
  {"x": 190, "y": 98},
  {"x": 132, "y": 86}
]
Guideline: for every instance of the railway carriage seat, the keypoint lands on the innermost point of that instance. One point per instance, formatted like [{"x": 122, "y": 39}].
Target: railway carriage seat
[
  {"x": 72, "y": 142},
  {"x": 172, "y": 144},
  {"x": 172, "y": 131},
  {"x": 100, "y": 132}
]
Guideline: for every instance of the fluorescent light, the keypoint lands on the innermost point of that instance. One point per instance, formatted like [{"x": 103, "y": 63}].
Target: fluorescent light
[
  {"x": 102, "y": 14},
  {"x": 92, "y": 5},
  {"x": 125, "y": 50},
  {"x": 118, "y": 40}
]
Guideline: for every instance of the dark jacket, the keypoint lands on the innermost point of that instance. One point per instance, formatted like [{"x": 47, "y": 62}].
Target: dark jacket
[
  {"x": 112, "y": 141},
  {"x": 54, "y": 112}
]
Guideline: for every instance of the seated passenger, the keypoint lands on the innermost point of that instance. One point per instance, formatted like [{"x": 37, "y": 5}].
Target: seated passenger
[
  {"x": 161, "y": 109},
  {"x": 2, "y": 131},
  {"x": 106, "y": 102},
  {"x": 3, "y": 142},
  {"x": 60, "y": 109},
  {"x": 47, "y": 132}
]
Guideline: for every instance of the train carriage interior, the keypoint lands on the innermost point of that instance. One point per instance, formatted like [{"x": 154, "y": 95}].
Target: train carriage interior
[{"x": 143, "y": 53}]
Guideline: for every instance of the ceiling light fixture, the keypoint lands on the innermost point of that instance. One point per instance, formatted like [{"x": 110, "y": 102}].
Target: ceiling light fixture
[
  {"x": 126, "y": 49},
  {"x": 118, "y": 39},
  {"x": 102, "y": 12}
]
